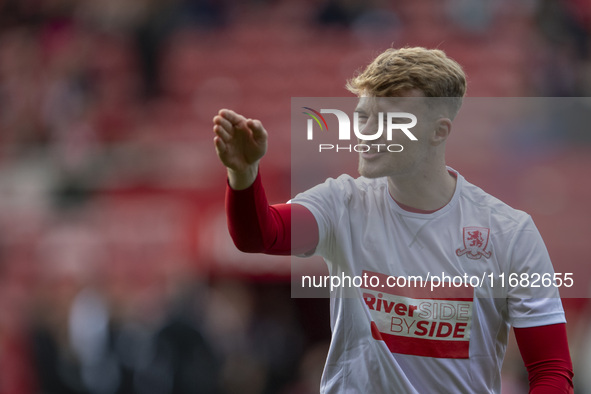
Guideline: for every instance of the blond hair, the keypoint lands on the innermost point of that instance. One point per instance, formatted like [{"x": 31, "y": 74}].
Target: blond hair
[{"x": 397, "y": 70}]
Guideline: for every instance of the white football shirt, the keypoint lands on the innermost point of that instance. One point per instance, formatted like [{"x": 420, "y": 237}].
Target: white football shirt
[{"x": 394, "y": 337}]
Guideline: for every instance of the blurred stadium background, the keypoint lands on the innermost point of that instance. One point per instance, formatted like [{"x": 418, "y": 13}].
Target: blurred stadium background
[{"x": 116, "y": 273}]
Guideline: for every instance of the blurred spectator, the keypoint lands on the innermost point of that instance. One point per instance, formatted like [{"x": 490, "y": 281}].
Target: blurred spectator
[
  {"x": 340, "y": 12},
  {"x": 177, "y": 358},
  {"x": 309, "y": 370},
  {"x": 564, "y": 56},
  {"x": 473, "y": 17}
]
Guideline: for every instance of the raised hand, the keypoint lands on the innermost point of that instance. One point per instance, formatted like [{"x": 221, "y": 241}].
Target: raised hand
[{"x": 240, "y": 144}]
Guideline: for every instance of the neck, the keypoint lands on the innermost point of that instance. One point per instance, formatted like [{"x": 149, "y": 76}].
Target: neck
[{"x": 425, "y": 190}]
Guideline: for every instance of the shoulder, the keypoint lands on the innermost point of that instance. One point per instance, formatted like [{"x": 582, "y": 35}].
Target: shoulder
[
  {"x": 348, "y": 187},
  {"x": 498, "y": 212}
]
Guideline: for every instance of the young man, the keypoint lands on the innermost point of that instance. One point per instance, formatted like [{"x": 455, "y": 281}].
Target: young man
[{"x": 408, "y": 216}]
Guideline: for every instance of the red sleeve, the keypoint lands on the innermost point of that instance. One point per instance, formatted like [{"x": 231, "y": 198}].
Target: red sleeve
[
  {"x": 256, "y": 227},
  {"x": 546, "y": 356}
]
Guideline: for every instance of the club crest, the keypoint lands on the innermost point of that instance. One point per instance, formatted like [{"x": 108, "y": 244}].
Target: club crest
[{"x": 475, "y": 243}]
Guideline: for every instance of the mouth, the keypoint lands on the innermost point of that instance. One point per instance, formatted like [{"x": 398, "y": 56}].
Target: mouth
[
  {"x": 371, "y": 154},
  {"x": 375, "y": 149}
]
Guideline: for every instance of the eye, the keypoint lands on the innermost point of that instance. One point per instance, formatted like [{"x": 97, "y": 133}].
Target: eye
[{"x": 400, "y": 120}]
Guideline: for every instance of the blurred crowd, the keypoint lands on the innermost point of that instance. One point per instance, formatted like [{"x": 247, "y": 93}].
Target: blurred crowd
[{"x": 116, "y": 272}]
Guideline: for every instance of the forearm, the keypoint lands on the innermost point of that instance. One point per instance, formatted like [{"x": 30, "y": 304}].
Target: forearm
[
  {"x": 256, "y": 227},
  {"x": 546, "y": 356}
]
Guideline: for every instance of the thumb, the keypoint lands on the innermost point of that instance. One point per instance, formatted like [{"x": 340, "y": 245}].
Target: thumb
[{"x": 258, "y": 131}]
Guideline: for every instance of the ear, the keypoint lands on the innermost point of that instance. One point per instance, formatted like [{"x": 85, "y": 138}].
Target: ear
[{"x": 442, "y": 131}]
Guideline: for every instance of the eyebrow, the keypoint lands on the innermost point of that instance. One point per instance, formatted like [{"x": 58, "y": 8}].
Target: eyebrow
[{"x": 362, "y": 108}]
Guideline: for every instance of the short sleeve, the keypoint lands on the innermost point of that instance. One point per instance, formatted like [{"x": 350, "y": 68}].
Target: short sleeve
[
  {"x": 533, "y": 300},
  {"x": 327, "y": 203}
]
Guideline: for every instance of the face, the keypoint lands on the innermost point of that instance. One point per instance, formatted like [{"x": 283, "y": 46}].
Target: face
[{"x": 379, "y": 161}]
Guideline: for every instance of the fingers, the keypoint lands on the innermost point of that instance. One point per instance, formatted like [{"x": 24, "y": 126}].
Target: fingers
[
  {"x": 220, "y": 146},
  {"x": 227, "y": 122},
  {"x": 222, "y": 133},
  {"x": 223, "y": 128},
  {"x": 237, "y": 121},
  {"x": 220, "y": 120}
]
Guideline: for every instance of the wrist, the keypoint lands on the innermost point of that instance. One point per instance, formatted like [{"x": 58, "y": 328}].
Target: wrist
[{"x": 240, "y": 180}]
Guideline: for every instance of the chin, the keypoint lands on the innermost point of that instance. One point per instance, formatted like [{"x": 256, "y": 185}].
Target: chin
[{"x": 370, "y": 172}]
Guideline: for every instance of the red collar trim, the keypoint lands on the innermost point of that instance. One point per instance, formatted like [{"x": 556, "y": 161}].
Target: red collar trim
[{"x": 423, "y": 211}]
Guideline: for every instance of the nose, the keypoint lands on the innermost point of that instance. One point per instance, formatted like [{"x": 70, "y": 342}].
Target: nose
[{"x": 369, "y": 128}]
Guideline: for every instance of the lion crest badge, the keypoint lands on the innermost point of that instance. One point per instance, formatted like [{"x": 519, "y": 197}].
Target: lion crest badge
[{"x": 475, "y": 243}]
